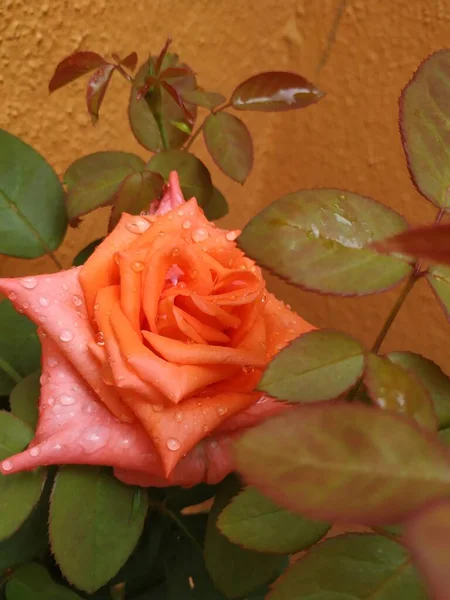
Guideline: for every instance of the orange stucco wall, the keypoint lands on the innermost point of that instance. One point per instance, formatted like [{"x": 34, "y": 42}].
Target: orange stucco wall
[{"x": 349, "y": 140}]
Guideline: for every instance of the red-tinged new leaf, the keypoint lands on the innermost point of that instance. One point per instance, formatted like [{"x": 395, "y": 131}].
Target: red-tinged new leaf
[
  {"x": 130, "y": 61},
  {"x": 393, "y": 388},
  {"x": 275, "y": 91},
  {"x": 424, "y": 124},
  {"x": 162, "y": 54},
  {"x": 75, "y": 66},
  {"x": 230, "y": 144},
  {"x": 144, "y": 89},
  {"x": 318, "y": 239},
  {"x": 179, "y": 100},
  {"x": 428, "y": 538},
  {"x": 429, "y": 243},
  {"x": 347, "y": 463},
  {"x": 209, "y": 100},
  {"x": 96, "y": 89},
  {"x": 174, "y": 72}
]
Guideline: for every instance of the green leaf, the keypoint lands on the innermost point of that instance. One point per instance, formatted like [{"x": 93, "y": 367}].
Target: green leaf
[
  {"x": 317, "y": 239},
  {"x": 424, "y": 124},
  {"x": 257, "y": 523},
  {"x": 143, "y": 123},
  {"x": 135, "y": 194},
  {"x": 352, "y": 567},
  {"x": 234, "y": 570},
  {"x": 34, "y": 219},
  {"x": 230, "y": 144},
  {"x": 444, "y": 436},
  {"x": 436, "y": 382},
  {"x": 275, "y": 91},
  {"x": 24, "y": 399},
  {"x": 19, "y": 493},
  {"x": 20, "y": 350},
  {"x": 94, "y": 525},
  {"x": 439, "y": 279},
  {"x": 209, "y": 100},
  {"x": 317, "y": 366},
  {"x": 342, "y": 462},
  {"x": 84, "y": 254},
  {"x": 32, "y": 581},
  {"x": 179, "y": 497},
  {"x": 195, "y": 180},
  {"x": 427, "y": 536},
  {"x": 217, "y": 206},
  {"x": 93, "y": 180},
  {"x": 391, "y": 387}
]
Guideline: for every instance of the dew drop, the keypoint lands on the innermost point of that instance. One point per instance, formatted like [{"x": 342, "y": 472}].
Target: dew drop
[
  {"x": 44, "y": 301},
  {"x": 99, "y": 339},
  {"x": 52, "y": 362},
  {"x": 66, "y": 335},
  {"x": 175, "y": 252},
  {"x": 77, "y": 300},
  {"x": 173, "y": 444},
  {"x": 29, "y": 283},
  {"x": 7, "y": 465},
  {"x": 178, "y": 417},
  {"x": 66, "y": 400},
  {"x": 200, "y": 235},
  {"x": 232, "y": 235},
  {"x": 95, "y": 439},
  {"x": 65, "y": 287},
  {"x": 12, "y": 296},
  {"x": 51, "y": 401},
  {"x": 25, "y": 305},
  {"x": 222, "y": 410},
  {"x": 35, "y": 451},
  {"x": 187, "y": 224},
  {"x": 57, "y": 447},
  {"x": 213, "y": 443},
  {"x": 43, "y": 379},
  {"x": 157, "y": 407},
  {"x": 125, "y": 443},
  {"x": 180, "y": 213},
  {"x": 138, "y": 225},
  {"x": 248, "y": 369},
  {"x": 137, "y": 266}
]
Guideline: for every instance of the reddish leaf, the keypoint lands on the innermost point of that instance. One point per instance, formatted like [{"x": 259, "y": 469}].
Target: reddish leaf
[
  {"x": 209, "y": 100},
  {"x": 75, "y": 66},
  {"x": 96, "y": 89},
  {"x": 162, "y": 54},
  {"x": 174, "y": 72},
  {"x": 424, "y": 118},
  {"x": 275, "y": 91},
  {"x": 179, "y": 100},
  {"x": 130, "y": 61},
  {"x": 135, "y": 194},
  {"x": 230, "y": 144},
  {"x": 347, "y": 463},
  {"x": 430, "y": 243},
  {"x": 428, "y": 538},
  {"x": 149, "y": 82},
  {"x": 318, "y": 239},
  {"x": 393, "y": 388}
]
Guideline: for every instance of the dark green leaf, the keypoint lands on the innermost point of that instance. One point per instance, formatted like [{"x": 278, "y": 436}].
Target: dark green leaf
[
  {"x": 342, "y": 462},
  {"x": 84, "y": 254},
  {"x": 195, "y": 179},
  {"x": 275, "y": 91},
  {"x": 444, "y": 436},
  {"x": 179, "y": 497},
  {"x": 74, "y": 66},
  {"x": 436, "y": 382},
  {"x": 230, "y": 144},
  {"x": 142, "y": 120},
  {"x": 317, "y": 366},
  {"x": 234, "y": 570},
  {"x": 439, "y": 279},
  {"x": 94, "y": 525},
  {"x": 24, "y": 399},
  {"x": 352, "y": 567},
  {"x": 135, "y": 194},
  {"x": 96, "y": 89},
  {"x": 19, "y": 493},
  {"x": 33, "y": 582},
  {"x": 317, "y": 239},
  {"x": 424, "y": 124},
  {"x": 255, "y": 522},
  {"x": 20, "y": 350},
  {"x": 93, "y": 180},
  {"x": 217, "y": 206},
  {"x": 209, "y": 100},
  {"x": 34, "y": 219},
  {"x": 393, "y": 388}
]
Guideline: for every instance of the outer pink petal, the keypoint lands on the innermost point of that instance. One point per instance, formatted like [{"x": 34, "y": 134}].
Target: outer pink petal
[{"x": 74, "y": 428}]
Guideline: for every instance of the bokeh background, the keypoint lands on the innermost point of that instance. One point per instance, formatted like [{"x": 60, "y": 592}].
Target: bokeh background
[{"x": 349, "y": 140}]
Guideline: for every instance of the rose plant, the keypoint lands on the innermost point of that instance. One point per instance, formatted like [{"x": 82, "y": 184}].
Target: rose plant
[{"x": 170, "y": 375}]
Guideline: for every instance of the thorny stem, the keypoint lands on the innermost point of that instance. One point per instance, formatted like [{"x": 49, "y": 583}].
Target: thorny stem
[{"x": 200, "y": 128}]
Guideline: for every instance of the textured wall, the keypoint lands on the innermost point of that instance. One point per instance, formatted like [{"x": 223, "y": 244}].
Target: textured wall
[{"x": 349, "y": 140}]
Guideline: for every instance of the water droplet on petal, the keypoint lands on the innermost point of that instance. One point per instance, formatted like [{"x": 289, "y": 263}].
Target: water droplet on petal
[
  {"x": 138, "y": 225},
  {"x": 43, "y": 379},
  {"x": 213, "y": 444},
  {"x": 77, "y": 300},
  {"x": 66, "y": 335},
  {"x": 157, "y": 407},
  {"x": 137, "y": 266},
  {"x": 187, "y": 224},
  {"x": 180, "y": 213},
  {"x": 57, "y": 447},
  {"x": 7, "y": 465},
  {"x": 29, "y": 283},
  {"x": 248, "y": 369},
  {"x": 173, "y": 444},
  {"x": 178, "y": 417},
  {"x": 232, "y": 235},
  {"x": 51, "y": 401},
  {"x": 35, "y": 451},
  {"x": 52, "y": 362},
  {"x": 95, "y": 439},
  {"x": 67, "y": 400},
  {"x": 12, "y": 296},
  {"x": 200, "y": 234},
  {"x": 126, "y": 442},
  {"x": 44, "y": 301},
  {"x": 99, "y": 339},
  {"x": 222, "y": 410},
  {"x": 65, "y": 287}
]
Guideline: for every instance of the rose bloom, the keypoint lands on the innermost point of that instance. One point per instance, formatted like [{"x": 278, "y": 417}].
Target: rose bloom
[{"x": 151, "y": 351}]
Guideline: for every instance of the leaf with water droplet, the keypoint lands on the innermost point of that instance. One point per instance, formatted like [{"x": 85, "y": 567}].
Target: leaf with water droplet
[
  {"x": 19, "y": 493},
  {"x": 109, "y": 523},
  {"x": 319, "y": 240},
  {"x": 230, "y": 144},
  {"x": 93, "y": 180},
  {"x": 24, "y": 399},
  {"x": 424, "y": 116},
  {"x": 32, "y": 202},
  {"x": 319, "y": 365},
  {"x": 275, "y": 91}
]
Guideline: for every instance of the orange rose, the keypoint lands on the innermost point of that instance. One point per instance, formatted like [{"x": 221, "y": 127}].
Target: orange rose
[{"x": 152, "y": 350}]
